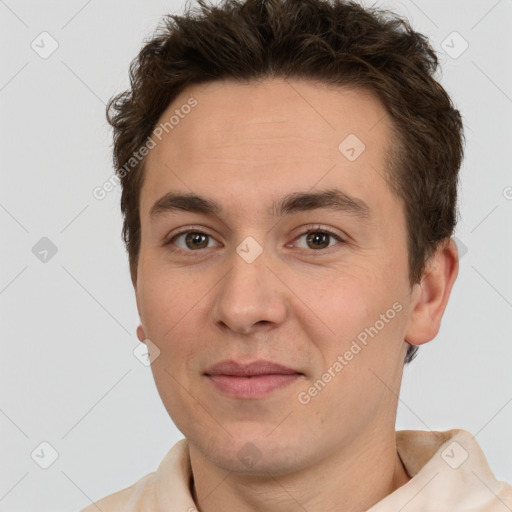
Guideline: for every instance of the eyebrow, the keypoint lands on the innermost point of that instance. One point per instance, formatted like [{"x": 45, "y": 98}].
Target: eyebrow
[{"x": 333, "y": 199}]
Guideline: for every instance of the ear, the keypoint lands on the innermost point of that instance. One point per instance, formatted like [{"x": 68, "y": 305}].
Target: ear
[
  {"x": 141, "y": 335},
  {"x": 431, "y": 295}
]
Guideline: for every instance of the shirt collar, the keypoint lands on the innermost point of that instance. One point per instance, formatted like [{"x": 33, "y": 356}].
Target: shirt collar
[{"x": 448, "y": 470}]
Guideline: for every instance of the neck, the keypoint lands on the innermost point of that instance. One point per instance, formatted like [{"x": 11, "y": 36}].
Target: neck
[{"x": 353, "y": 479}]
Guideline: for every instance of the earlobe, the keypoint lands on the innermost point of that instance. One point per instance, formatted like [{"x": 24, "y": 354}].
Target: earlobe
[
  {"x": 140, "y": 333},
  {"x": 430, "y": 297},
  {"x": 140, "y": 330}
]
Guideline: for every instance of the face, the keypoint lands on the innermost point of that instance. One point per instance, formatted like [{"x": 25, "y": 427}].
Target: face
[{"x": 297, "y": 255}]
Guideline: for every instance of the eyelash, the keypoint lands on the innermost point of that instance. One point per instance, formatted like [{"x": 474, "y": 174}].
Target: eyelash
[{"x": 308, "y": 229}]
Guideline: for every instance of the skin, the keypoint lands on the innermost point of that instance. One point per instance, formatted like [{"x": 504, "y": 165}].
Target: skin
[{"x": 245, "y": 145}]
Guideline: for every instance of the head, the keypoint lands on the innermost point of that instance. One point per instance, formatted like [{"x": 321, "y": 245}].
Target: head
[{"x": 266, "y": 109}]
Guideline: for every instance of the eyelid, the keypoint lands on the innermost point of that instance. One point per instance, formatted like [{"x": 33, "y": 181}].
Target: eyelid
[
  {"x": 318, "y": 228},
  {"x": 187, "y": 229}
]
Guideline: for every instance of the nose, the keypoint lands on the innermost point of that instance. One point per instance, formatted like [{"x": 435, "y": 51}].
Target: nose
[{"x": 249, "y": 298}]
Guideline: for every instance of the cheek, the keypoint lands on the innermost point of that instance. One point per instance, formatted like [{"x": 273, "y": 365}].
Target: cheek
[
  {"x": 358, "y": 377},
  {"x": 345, "y": 302},
  {"x": 365, "y": 319},
  {"x": 165, "y": 301},
  {"x": 172, "y": 324}
]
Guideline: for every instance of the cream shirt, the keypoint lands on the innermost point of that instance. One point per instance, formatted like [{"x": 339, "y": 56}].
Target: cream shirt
[{"x": 448, "y": 470}]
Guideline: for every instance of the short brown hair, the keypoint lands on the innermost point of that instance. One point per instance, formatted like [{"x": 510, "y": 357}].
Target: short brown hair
[{"x": 332, "y": 41}]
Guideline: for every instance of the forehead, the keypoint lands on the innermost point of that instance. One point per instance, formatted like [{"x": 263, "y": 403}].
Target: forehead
[{"x": 254, "y": 140}]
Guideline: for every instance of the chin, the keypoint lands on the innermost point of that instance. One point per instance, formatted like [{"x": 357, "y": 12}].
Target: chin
[
  {"x": 251, "y": 460},
  {"x": 254, "y": 453}
]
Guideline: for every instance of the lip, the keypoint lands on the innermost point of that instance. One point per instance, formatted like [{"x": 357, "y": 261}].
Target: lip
[
  {"x": 251, "y": 380},
  {"x": 260, "y": 367}
]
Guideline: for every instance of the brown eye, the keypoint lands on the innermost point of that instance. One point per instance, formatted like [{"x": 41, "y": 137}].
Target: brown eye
[
  {"x": 191, "y": 241},
  {"x": 196, "y": 240},
  {"x": 318, "y": 240}
]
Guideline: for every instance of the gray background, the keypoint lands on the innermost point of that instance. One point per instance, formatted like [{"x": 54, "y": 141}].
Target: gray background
[{"x": 68, "y": 375}]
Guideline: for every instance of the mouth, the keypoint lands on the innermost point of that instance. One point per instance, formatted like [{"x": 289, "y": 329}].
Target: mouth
[{"x": 254, "y": 380}]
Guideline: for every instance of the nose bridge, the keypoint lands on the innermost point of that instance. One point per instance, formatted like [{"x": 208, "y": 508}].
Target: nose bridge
[{"x": 249, "y": 292}]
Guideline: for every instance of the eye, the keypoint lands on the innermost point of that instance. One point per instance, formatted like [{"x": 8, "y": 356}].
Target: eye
[
  {"x": 191, "y": 240},
  {"x": 317, "y": 238}
]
